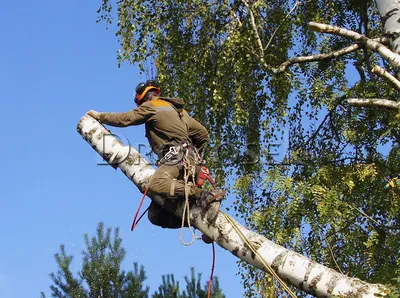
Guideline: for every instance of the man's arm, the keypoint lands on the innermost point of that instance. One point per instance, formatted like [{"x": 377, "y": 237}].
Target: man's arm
[
  {"x": 198, "y": 134},
  {"x": 133, "y": 117}
]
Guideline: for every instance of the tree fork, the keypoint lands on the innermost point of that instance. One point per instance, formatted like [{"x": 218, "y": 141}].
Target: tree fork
[{"x": 290, "y": 266}]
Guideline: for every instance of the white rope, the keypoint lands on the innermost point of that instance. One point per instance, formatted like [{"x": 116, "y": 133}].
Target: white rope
[{"x": 189, "y": 170}]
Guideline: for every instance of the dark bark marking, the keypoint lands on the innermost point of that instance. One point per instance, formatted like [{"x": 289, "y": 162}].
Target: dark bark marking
[
  {"x": 310, "y": 267},
  {"x": 314, "y": 282},
  {"x": 279, "y": 260},
  {"x": 332, "y": 283},
  {"x": 388, "y": 15}
]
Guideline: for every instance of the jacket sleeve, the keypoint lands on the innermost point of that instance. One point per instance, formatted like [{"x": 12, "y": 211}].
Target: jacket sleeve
[
  {"x": 136, "y": 116},
  {"x": 198, "y": 134}
]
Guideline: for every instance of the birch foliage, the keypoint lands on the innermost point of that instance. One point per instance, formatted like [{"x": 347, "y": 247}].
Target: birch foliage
[{"x": 311, "y": 172}]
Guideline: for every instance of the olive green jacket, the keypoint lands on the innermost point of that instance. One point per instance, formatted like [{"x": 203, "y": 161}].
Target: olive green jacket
[{"x": 167, "y": 124}]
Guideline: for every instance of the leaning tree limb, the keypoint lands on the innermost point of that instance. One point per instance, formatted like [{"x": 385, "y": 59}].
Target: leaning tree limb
[
  {"x": 387, "y": 76},
  {"x": 361, "y": 39},
  {"x": 291, "y": 267},
  {"x": 316, "y": 57},
  {"x": 312, "y": 58},
  {"x": 374, "y": 102},
  {"x": 373, "y": 45}
]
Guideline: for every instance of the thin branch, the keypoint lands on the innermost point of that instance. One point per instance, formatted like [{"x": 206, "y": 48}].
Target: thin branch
[
  {"x": 253, "y": 24},
  {"x": 348, "y": 224},
  {"x": 365, "y": 215},
  {"x": 333, "y": 256},
  {"x": 276, "y": 30},
  {"x": 374, "y": 102},
  {"x": 393, "y": 58},
  {"x": 386, "y": 75},
  {"x": 317, "y": 57},
  {"x": 316, "y": 132}
]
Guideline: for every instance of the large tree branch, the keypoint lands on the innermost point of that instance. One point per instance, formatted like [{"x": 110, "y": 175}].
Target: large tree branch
[
  {"x": 374, "y": 102},
  {"x": 386, "y": 75},
  {"x": 373, "y": 45},
  {"x": 317, "y": 57},
  {"x": 294, "y": 268}
]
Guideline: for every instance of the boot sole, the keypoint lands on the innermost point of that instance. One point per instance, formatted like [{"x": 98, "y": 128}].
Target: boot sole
[{"x": 213, "y": 210}]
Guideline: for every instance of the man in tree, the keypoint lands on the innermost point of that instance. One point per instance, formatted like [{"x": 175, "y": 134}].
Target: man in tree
[{"x": 178, "y": 140}]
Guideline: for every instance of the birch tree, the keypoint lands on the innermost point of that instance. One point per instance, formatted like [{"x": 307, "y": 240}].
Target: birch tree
[
  {"x": 291, "y": 267},
  {"x": 301, "y": 102},
  {"x": 390, "y": 13}
]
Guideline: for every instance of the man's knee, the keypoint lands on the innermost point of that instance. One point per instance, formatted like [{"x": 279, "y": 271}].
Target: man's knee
[
  {"x": 161, "y": 181},
  {"x": 159, "y": 216}
]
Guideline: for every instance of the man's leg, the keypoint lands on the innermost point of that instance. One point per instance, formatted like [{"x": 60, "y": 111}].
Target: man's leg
[
  {"x": 163, "y": 183},
  {"x": 168, "y": 181},
  {"x": 163, "y": 218}
]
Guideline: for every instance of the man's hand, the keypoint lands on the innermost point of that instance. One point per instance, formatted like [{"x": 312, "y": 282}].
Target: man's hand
[{"x": 94, "y": 114}]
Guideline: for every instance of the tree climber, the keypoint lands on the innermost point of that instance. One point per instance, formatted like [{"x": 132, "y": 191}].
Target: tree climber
[{"x": 178, "y": 140}]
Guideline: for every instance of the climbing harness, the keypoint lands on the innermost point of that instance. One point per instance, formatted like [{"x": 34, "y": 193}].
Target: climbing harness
[
  {"x": 254, "y": 251},
  {"x": 195, "y": 173},
  {"x": 173, "y": 156}
]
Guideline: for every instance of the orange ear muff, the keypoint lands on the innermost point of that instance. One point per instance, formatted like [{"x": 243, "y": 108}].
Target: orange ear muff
[{"x": 139, "y": 97}]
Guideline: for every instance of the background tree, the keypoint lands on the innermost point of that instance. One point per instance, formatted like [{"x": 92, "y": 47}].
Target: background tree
[
  {"x": 101, "y": 274},
  {"x": 194, "y": 289},
  {"x": 256, "y": 75}
]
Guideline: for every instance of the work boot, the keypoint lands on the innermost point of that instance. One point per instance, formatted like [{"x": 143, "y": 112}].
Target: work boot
[{"x": 210, "y": 202}]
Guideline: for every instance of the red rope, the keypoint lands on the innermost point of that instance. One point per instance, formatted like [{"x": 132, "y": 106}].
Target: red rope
[
  {"x": 135, "y": 222},
  {"x": 212, "y": 271}
]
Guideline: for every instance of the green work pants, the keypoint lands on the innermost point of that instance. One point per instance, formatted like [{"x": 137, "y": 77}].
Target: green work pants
[{"x": 168, "y": 182}]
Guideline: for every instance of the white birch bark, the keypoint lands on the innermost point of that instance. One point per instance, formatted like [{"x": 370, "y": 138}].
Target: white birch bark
[
  {"x": 390, "y": 13},
  {"x": 292, "y": 267},
  {"x": 374, "y": 102},
  {"x": 371, "y": 44}
]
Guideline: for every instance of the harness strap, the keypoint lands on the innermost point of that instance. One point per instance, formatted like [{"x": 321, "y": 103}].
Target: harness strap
[{"x": 172, "y": 190}]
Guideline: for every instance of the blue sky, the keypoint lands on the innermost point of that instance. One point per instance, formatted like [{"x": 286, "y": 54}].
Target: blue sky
[{"x": 56, "y": 63}]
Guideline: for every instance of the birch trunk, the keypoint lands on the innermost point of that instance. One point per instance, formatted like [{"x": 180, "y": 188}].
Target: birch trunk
[
  {"x": 292, "y": 267},
  {"x": 390, "y": 13}
]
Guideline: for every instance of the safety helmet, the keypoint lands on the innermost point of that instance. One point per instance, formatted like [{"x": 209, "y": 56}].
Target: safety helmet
[{"x": 143, "y": 88}]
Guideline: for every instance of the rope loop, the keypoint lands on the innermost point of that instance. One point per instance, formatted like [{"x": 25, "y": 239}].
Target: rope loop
[{"x": 189, "y": 172}]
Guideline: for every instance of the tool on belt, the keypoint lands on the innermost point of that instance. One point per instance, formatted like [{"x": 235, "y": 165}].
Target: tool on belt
[{"x": 176, "y": 154}]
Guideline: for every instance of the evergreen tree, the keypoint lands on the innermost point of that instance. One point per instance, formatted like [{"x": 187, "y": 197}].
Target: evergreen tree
[
  {"x": 101, "y": 274},
  {"x": 194, "y": 289},
  {"x": 168, "y": 289}
]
